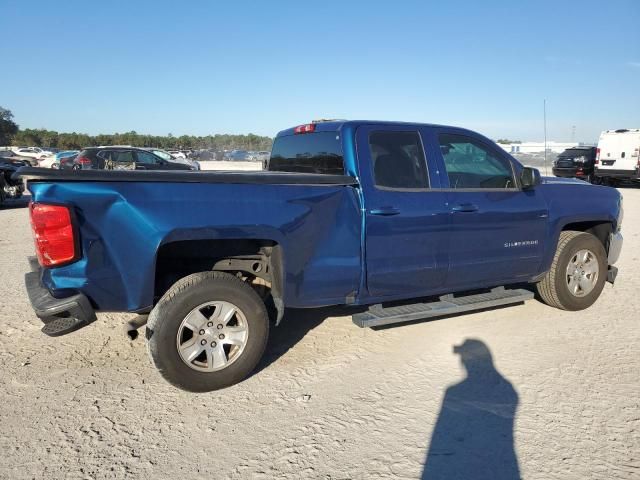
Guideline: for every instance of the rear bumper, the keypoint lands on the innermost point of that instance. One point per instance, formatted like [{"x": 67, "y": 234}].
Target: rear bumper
[
  {"x": 611, "y": 173},
  {"x": 60, "y": 315},
  {"x": 570, "y": 172}
]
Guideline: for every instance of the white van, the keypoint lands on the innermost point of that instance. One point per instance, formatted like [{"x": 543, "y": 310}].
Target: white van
[{"x": 618, "y": 155}]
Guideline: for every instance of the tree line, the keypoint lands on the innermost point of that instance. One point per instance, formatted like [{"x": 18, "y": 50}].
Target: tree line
[{"x": 11, "y": 134}]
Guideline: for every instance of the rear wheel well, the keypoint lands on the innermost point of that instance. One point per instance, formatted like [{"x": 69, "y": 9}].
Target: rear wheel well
[
  {"x": 600, "y": 230},
  {"x": 256, "y": 261}
]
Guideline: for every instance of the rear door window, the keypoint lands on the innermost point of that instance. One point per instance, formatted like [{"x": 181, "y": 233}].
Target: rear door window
[
  {"x": 318, "y": 152},
  {"x": 117, "y": 159},
  {"x": 398, "y": 160},
  {"x": 471, "y": 164}
]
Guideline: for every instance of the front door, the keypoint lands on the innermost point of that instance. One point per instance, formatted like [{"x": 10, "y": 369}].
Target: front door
[
  {"x": 406, "y": 218},
  {"x": 147, "y": 161},
  {"x": 497, "y": 229}
]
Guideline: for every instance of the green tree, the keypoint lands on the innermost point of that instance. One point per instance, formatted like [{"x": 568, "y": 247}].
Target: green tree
[
  {"x": 68, "y": 141},
  {"x": 8, "y": 128}
]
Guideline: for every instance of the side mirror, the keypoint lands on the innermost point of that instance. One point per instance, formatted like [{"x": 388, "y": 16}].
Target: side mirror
[{"x": 529, "y": 178}]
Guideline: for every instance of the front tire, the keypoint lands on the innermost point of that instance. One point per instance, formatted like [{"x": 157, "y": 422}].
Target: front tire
[
  {"x": 2, "y": 194},
  {"x": 577, "y": 274},
  {"x": 207, "y": 332}
]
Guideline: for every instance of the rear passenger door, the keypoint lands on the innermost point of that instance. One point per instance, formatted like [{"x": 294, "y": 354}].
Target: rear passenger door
[
  {"x": 497, "y": 229},
  {"x": 147, "y": 161},
  {"x": 406, "y": 219}
]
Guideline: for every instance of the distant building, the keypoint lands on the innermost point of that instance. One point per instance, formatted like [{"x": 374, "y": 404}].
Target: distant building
[{"x": 538, "y": 147}]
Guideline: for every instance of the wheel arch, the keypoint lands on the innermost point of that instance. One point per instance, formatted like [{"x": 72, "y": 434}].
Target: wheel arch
[
  {"x": 251, "y": 257},
  {"x": 599, "y": 228}
]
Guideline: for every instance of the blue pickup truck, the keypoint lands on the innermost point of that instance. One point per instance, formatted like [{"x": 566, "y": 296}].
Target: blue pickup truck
[{"x": 403, "y": 221}]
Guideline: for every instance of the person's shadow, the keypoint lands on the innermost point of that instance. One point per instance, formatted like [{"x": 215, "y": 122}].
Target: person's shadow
[{"x": 473, "y": 436}]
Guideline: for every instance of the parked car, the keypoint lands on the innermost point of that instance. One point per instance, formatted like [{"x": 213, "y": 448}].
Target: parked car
[
  {"x": 170, "y": 158},
  {"x": 10, "y": 187},
  {"x": 263, "y": 156},
  {"x": 67, "y": 163},
  {"x": 237, "y": 155},
  {"x": 54, "y": 160},
  {"x": 177, "y": 154},
  {"x": 123, "y": 158},
  {"x": 6, "y": 153},
  {"x": 32, "y": 152},
  {"x": 576, "y": 162},
  {"x": 349, "y": 213},
  {"x": 618, "y": 156},
  {"x": 202, "y": 155}
]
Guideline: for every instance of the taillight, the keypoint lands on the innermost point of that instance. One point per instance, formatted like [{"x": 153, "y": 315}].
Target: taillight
[
  {"x": 597, "y": 156},
  {"x": 308, "y": 128},
  {"x": 84, "y": 161},
  {"x": 53, "y": 234}
]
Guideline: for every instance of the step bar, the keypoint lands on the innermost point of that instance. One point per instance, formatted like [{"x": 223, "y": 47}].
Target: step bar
[{"x": 377, "y": 315}]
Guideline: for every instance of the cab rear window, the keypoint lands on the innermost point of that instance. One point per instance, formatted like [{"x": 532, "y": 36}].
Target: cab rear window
[
  {"x": 575, "y": 152},
  {"x": 319, "y": 152}
]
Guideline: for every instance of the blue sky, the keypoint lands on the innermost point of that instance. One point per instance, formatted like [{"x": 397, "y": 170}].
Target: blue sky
[{"x": 200, "y": 67}]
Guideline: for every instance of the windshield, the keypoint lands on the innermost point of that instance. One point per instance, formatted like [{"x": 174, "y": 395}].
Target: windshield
[{"x": 319, "y": 152}]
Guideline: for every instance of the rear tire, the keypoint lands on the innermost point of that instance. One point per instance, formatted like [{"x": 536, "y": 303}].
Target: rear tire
[
  {"x": 568, "y": 285},
  {"x": 201, "y": 293}
]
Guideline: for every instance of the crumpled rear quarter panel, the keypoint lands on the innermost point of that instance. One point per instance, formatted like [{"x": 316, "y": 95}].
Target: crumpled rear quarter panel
[{"x": 122, "y": 225}]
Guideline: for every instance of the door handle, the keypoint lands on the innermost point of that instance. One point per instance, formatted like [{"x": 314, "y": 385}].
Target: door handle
[
  {"x": 384, "y": 211},
  {"x": 465, "y": 207}
]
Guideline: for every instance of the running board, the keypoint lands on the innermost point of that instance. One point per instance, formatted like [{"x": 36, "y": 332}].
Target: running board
[{"x": 377, "y": 315}]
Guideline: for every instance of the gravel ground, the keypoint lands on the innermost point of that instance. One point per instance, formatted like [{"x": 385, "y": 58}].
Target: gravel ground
[{"x": 330, "y": 400}]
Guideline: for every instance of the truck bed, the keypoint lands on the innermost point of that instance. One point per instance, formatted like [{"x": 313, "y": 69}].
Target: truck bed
[
  {"x": 125, "y": 220},
  {"x": 34, "y": 174}
]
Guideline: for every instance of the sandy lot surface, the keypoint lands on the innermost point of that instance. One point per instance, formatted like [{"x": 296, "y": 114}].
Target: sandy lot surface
[{"x": 330, "y": 400}]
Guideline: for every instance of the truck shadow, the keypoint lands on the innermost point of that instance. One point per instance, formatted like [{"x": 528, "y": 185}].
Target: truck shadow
[
  {"x": 629, "y": 185},
  {"x": 295, "y": 324},
  {"x": 473, "y": 436}
]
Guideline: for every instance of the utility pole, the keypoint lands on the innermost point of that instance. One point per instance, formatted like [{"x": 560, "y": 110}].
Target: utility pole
[
  {"x": 544, "y": 110},
  {"x": 573, "y": 133}
]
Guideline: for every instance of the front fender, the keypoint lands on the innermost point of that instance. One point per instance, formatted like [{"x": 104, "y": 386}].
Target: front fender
[{"x": 577, "y": 206}]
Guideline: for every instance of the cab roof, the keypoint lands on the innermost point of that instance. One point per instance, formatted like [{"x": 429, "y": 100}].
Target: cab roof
[{"x": 338, "y": 125}]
